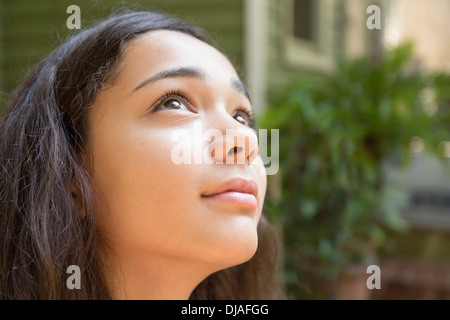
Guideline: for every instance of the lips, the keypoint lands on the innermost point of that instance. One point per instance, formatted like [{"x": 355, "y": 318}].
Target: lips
[{"x": 237, "y": 191}]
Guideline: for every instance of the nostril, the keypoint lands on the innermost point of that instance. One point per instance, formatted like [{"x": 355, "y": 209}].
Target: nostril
[{"x": 235, "y": 150}]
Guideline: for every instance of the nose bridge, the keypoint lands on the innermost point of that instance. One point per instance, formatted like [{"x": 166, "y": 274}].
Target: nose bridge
[{"x": 231, "y": 143}]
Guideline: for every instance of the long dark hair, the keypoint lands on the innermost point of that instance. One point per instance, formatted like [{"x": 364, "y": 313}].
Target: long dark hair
[{"x": 44, "y": 182}]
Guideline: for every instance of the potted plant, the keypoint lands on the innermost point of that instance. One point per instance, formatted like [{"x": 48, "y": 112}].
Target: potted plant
[{"x": 335, "y": 141}]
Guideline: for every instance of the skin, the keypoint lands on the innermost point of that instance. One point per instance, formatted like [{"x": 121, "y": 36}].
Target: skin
[{"x": 164, "y": 236}]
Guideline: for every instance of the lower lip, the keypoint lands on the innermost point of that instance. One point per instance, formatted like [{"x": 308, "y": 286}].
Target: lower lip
[{"x": 239, "y": 198}]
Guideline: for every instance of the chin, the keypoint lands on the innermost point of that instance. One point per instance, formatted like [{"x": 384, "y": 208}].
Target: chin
[{"x": 238, "y": 250}]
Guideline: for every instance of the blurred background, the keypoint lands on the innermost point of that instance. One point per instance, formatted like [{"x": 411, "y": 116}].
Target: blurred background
[{"x": 364, "y": 120}]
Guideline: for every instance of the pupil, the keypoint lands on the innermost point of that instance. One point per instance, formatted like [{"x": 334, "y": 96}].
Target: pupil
[
  {"x": 173, "y": 104},
  {"x": 241, "y": 119}
]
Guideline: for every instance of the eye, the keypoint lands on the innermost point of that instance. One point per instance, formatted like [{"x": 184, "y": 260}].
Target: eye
[
  {"x": 243, "y": 117},
  {"x": 173, "y": 100},
  {"x": 172, "y": 104}
]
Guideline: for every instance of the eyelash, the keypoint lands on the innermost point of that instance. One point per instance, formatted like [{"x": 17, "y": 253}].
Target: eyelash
[
  {"x": 170, "y": 95},
  {"x": 249, "y": 115},
  {"x": 181, "y": 96}
]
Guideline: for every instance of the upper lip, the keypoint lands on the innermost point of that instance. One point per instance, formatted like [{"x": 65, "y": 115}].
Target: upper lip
[{"x": 234, "y": 185}]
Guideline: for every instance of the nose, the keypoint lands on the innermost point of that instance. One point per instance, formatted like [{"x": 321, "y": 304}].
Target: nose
[{"x": 234, "y": 146}]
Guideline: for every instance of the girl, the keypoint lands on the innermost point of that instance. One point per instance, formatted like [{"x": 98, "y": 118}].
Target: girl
[{"x": 88, "y": 176}]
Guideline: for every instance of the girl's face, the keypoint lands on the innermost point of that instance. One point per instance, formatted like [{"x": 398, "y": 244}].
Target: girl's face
[{"x": 170, "y": 91}]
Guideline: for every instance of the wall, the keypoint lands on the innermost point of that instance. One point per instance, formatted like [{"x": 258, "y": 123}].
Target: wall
[{"x": 427, "y": 24}]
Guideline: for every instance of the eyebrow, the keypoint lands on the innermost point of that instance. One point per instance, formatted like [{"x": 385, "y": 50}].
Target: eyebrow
[
  {"x": 239, "y": 86},
  {"x": 190, "y": 72}
]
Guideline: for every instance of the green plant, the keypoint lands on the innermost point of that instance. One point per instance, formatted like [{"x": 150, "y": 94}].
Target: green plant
[{"x": 335, "y": 141}]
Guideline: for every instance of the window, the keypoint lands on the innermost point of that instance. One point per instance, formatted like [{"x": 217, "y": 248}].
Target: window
[
  {"x": 304, "y": 16},
  {"x": 307, "y": 33}
]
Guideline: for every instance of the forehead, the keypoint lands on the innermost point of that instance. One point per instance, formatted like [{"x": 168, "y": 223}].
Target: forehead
[{"x": 159, "y": 50}]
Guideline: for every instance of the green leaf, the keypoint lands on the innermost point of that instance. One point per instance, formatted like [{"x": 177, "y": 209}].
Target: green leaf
[{"x": 308, "y": 208}]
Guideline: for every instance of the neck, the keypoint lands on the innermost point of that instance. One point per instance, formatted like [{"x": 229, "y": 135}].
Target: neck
[{"x": 158, "y": 278}]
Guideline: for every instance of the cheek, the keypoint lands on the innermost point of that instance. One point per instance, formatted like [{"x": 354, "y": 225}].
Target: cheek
[
  {"x": 259, "y": 173},
  {"x": 142, "y": 192}
]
